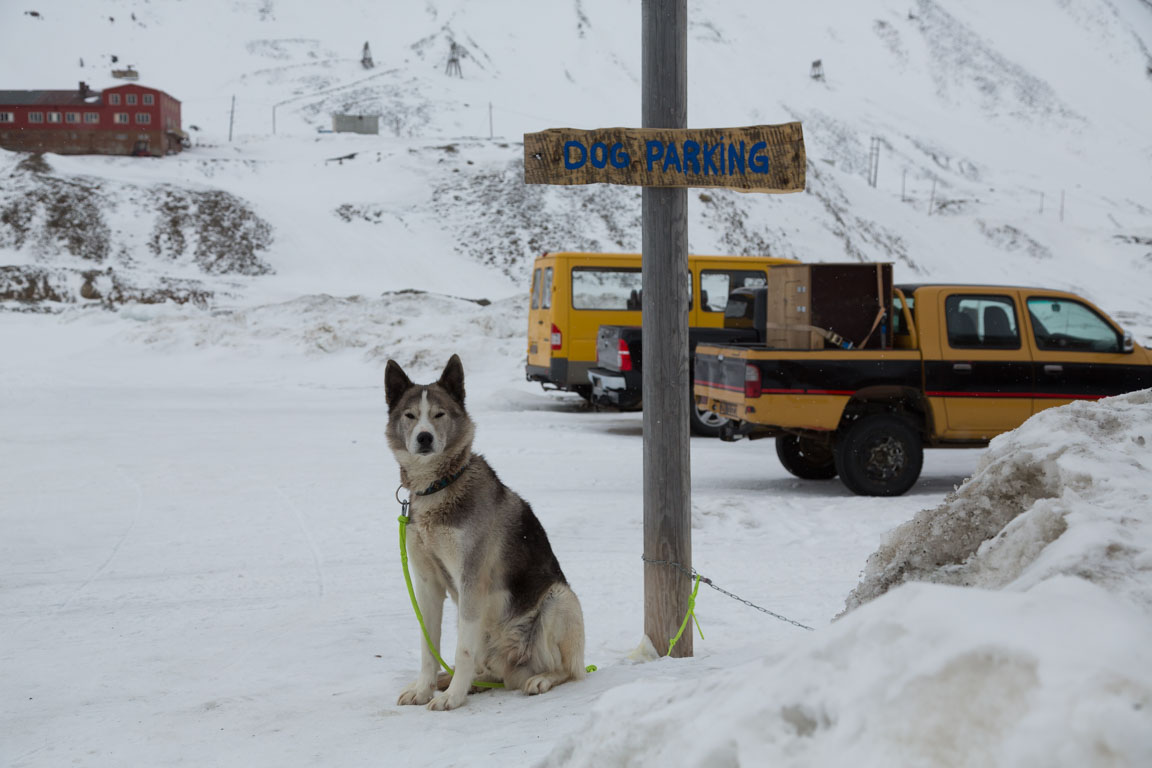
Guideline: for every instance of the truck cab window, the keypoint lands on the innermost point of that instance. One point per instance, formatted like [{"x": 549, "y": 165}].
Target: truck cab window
[
  {"x": 1063, "y": 324},
  {"x": 981, "y": 322},
  {"x": 715, "y": 285}
]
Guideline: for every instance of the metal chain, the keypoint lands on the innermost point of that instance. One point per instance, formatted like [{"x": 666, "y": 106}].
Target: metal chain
[{"x": 692, "y": 574}]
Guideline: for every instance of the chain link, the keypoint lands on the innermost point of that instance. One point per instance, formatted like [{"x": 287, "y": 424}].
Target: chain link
[{"x": 692, "y": 574}]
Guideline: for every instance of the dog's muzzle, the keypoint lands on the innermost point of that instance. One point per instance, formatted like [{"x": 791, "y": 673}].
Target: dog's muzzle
[{"x": 424, "y": 442}]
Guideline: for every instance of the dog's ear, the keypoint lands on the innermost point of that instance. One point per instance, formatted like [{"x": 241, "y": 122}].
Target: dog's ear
[
  {"x": 452, "y": 380},
  {"x": 396, "y": 383}
]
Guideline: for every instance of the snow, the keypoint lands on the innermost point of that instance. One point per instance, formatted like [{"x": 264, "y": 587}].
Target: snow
[{"x": 198, "y": 562}]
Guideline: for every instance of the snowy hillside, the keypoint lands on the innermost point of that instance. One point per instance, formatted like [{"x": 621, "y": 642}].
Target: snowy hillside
[{"x": 1025, "y": 125}]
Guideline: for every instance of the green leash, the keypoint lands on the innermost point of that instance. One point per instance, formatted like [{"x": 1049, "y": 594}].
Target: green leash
[
  {"x": 416, "y": 606},
  {"x": 692, "y": 613}
]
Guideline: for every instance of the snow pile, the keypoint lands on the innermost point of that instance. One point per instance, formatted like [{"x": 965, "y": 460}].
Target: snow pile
[
  {"x": 925, "y": 676},
  {"x": 1054, "y": 669},
  {"x": 1066, "y": 493}
]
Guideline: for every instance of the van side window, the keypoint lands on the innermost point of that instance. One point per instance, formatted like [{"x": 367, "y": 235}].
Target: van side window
[
  {"x": 536, "y": 289},
  {"x": 1069, "y": 325},
  {"x": 716, "y": 284},
  {"x": 616, "y": 288},
  {"x": 546, "y": 291},
  {"x": 981, "y": 322}
]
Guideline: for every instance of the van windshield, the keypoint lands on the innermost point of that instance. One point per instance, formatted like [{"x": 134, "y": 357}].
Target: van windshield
[{"x": 606, "y": 288}]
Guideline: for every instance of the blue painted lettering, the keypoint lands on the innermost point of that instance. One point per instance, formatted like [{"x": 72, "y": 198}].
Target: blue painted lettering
[
  {"x": 655, "y": 151},
  {"x": 570, "y": 164},
  {"x": 710, "y": 158},
  {"x": 599, "y": 154},
  {"x": 758, "y": 164},
  {"x": 672, "y": 157},
  {"x": 620, "y": 158},
  {"x": 692, "y": 156},
  {"x": 735, "y": 159}
]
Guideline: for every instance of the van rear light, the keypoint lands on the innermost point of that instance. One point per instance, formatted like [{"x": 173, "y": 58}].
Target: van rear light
[
  {"x": 623, "y": 356},
  {"x": 557, "y": 338},
  {"x": 752, "y": 386}
]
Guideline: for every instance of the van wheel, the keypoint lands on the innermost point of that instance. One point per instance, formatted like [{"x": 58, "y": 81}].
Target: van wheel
[
  {"x": 879, "y": 455},
  {"x": 705, "y": 422},
  {"x": 806, "y": 459}
]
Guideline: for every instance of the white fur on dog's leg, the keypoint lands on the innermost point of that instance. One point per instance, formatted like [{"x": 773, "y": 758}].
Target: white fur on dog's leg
[
  {"x": 538, "y": 684},
  {"x": 417, "y": 693}
]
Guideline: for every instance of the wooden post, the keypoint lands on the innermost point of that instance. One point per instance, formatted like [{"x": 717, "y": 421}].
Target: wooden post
[{"x": 667, "y": 481}]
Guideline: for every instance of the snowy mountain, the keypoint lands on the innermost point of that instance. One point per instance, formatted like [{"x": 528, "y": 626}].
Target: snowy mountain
[{"x": 1013, "y": 141}]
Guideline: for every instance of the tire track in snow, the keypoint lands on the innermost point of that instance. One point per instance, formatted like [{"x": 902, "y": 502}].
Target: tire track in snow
[
  {"x": 307, "y": 533},
  {"x": 116, "y": 547}
]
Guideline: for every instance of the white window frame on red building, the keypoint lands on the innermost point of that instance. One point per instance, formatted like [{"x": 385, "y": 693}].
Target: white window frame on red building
[{"x": 143, "y": 118}]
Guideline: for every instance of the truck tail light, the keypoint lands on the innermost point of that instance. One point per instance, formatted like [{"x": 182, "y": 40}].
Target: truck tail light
[
  {"x": 752, "y": 387},
  {"x": 557, "y": 338},
  {"x": 623, "y": 356}
]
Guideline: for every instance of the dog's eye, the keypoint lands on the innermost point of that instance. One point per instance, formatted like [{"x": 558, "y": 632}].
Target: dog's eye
[
  {"x": 439, "y": 415},
  {"x": 410, "y": 416}
]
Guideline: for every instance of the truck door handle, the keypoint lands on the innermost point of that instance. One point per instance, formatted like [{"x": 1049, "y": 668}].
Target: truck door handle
[
  {"x": 1053, "y": 369},
  {"x": 962, "y": 367}
]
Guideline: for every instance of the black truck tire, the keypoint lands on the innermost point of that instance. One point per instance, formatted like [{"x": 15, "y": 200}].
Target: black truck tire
[
  {"x": 806, "y": 459},
  {"x": 879, "y": 455}
]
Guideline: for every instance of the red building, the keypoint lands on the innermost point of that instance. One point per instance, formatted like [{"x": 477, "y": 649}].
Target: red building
[{"x": 125, "y": 120}]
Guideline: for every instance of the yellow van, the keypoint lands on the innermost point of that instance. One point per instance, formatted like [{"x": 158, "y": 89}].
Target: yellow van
[{"x": 573, "y": 294}]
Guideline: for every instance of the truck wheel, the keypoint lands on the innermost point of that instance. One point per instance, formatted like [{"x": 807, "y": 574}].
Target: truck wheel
[
  {"x": 807, "y": 459},
  {"x": 879, "y": 455},
  {"x": 704, "y": 422}
]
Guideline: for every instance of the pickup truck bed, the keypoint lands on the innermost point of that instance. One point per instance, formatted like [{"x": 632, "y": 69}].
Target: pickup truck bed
[{"x": 965, "y": 363}]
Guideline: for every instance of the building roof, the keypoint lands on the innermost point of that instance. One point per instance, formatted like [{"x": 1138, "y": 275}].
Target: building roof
[{"x": 70, "y": 98}]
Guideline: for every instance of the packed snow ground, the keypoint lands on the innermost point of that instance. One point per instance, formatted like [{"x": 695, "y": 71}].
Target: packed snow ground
[{"x": 200, "y": 566}]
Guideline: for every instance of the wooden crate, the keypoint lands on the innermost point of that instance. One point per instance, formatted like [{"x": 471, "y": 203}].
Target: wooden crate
[{"x": 842, "y": 298}]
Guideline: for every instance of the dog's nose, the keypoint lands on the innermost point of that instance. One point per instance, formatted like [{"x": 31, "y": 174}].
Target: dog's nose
[{"x": 424, "y": 440}]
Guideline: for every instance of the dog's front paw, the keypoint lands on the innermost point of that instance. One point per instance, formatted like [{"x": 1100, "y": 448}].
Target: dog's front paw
[
  {"x": 537, "y": 684},
  {"x": 448, "y": 700},
  {"x": 417, "y": 693}
]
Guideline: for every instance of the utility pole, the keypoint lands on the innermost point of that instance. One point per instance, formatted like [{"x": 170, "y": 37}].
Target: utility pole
[
  {"x": 667, "y": 478},
  {"x": 490, "y": 132},
  {"x": 232, "y": 118}
]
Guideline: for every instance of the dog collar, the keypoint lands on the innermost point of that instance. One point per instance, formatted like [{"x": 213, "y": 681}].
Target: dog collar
[{"x": 442, "y": 483}]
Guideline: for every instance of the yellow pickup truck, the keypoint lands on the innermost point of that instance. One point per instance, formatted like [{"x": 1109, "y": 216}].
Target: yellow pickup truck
[{"x": 955, "y": 366}]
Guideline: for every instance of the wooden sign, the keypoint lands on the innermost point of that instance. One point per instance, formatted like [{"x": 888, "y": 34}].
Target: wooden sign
[{"x": 761, "y": 158}]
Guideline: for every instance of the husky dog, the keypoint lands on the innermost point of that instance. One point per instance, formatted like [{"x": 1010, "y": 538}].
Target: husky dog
[{"x": 473, "y": 538}]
